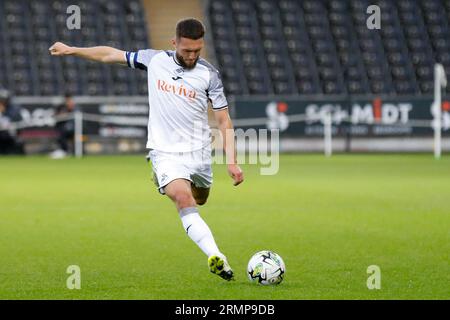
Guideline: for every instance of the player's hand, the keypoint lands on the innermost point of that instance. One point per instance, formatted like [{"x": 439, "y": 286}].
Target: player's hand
[
  {"x": 236, "y": 173},
  {"x": 60, "y": 49}
]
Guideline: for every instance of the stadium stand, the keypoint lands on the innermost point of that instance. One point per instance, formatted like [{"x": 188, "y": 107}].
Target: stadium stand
[
  {"x": 286, "y": 47},
  {"x": 28, "y": 28},
  {"x": 325, "y": 47}
]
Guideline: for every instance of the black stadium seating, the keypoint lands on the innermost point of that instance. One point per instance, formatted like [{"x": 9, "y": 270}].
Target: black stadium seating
[
  {"x": 325, "y": 47},
  {"x": 284, "y": 47},
  {"x": 28, "y": 28}
]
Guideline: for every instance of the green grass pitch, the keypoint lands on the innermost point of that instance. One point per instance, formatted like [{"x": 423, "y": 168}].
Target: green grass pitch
[{"x": 329, "y": 218}]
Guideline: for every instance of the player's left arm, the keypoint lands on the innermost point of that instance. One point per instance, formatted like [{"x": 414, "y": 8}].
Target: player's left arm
[
  {"x": 102, "y": 54},
  {"x": 225, "y": 126}
]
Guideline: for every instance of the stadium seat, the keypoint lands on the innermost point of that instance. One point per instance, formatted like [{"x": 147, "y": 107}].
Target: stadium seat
[
  {"x": 32, "y": 26},
  {"x": 328, "y": 48},
  {"x": 261, "y": 47}
]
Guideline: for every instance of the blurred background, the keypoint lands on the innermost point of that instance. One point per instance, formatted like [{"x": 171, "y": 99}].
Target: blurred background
[{"x": 286, "y": 65}]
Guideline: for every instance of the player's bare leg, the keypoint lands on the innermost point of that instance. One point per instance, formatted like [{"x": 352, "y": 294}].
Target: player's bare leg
[{"x": 180, "y": 192}]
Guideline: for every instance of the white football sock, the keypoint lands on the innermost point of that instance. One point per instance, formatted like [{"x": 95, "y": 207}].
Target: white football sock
[{"x": 198, "y": 231}]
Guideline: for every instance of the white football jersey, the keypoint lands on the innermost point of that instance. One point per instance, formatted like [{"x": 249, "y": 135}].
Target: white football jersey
[{"x": 178, "y": 99}]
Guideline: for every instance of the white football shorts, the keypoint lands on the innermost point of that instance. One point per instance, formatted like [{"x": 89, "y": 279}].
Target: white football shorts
[{"x": 194, "y": 166}]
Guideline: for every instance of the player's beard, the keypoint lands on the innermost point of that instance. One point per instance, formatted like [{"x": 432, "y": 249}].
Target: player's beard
[{"x": 184, "y": 64}]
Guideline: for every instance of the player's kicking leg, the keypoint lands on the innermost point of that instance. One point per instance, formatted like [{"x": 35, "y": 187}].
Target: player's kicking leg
[
  {"x": 215, "y": 262},
  {"x": 180, "y": 192}
]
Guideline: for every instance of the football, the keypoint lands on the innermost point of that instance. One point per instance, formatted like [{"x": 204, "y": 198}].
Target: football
[{"x": 266, "y": 268}]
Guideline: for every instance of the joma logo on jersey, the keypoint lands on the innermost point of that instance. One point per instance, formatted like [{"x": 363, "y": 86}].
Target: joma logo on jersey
[{"x": 178, "y": 90}]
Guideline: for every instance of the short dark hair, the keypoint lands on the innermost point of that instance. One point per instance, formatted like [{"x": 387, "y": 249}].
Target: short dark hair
[{"x": 190, "y": 28}]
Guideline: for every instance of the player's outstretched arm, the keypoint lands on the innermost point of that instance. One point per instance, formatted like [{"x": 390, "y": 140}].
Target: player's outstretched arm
[
  {"x": 100, "y": 54},
  {"x": 226, "y": 129}
]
